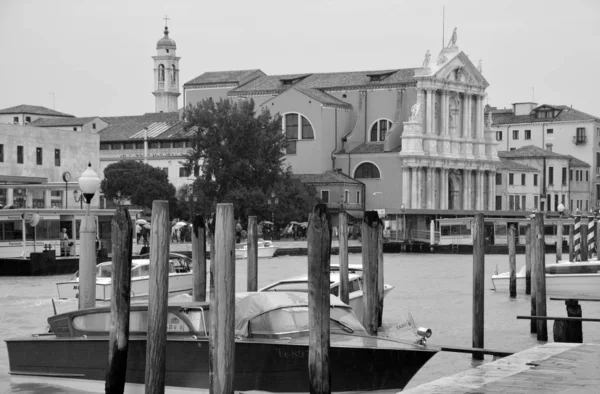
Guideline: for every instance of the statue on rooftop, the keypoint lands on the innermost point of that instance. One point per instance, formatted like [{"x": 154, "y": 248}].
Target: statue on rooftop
[
  {"x": 427, "y": 59},
  {"x": 452, "y": 41},
  {"x": 414, "y": 112}
]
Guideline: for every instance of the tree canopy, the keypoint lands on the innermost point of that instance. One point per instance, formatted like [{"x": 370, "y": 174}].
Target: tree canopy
[
  {"x": 240, "y": 157},
  {"x": 140, "y": 183}
]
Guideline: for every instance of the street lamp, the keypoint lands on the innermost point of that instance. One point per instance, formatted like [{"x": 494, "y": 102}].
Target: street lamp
[
  {"x": 66, "y": 176},
  {"x": 272, "y": 202},
  {"x": 78, "y": 197},
  {"x": 89, "y": 184}
]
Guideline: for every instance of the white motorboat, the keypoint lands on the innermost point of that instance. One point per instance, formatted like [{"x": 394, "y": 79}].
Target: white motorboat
[
  {"x": 180, "y": 279},
  {"x": 266, "y": 249},
  {"x": 355, "y": 286},
  {"x": 563, "y": 279}
]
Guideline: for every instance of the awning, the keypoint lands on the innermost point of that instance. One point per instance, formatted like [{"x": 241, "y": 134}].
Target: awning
[{"x": 356, "y": 214}]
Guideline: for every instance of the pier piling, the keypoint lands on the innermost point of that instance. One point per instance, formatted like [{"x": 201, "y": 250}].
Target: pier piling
[
  {"x": 583, "y": 230},
  {"x": 540, "y": 276},
  {"x": 343, "y": 256},
  {"x": 478, "y": 283},
  {"x": 380, "y": 292},
  {"x": 591, "y": 236},
  {"x": 512, "y": 262},
  {"x": 370, "y": 262},
  {"x": 533, "y": 284},
  {"x": 199, "y": 259},
  {"x": 222, "y": 305},
  {"x": 252, "y": 250},
  {"x": 528, "y": 259},
  {"x": 156, "y": 345},
  {"x": 319, "y": 255},
  {"x": 120, "y": 300},
  {"x": 571, "y": 244}
]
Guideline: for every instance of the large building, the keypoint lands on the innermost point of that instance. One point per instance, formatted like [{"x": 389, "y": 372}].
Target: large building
[
  {"x": 555, "y": 128},
  {"x": 415, "y": 137},
  {"x": 24, "y": 114}
]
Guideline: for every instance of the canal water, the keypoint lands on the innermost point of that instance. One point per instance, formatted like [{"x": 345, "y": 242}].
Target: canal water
[{"x": 435, "y": 289}]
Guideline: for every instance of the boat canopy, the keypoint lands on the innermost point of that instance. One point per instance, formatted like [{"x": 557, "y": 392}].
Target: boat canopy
[{"x": 249, "y": 306}]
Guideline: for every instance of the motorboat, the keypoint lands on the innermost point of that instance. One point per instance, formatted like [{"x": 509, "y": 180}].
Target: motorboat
[
  {"x": 180, "y": 279},
  {"x": 355, "y": 286},
  {"x": 266, "y": 249},
  {"x": 563, "y": 279},
  {"x": 271, "y": 349}
]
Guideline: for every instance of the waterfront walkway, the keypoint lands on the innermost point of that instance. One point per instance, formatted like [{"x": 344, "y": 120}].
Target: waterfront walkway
[{"x": 552, "y": 368}]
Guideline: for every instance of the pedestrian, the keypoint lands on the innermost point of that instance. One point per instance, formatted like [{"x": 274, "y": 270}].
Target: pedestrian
[
  {"x": 64, "y": 243},
  {"x": 138, "y": 232}
]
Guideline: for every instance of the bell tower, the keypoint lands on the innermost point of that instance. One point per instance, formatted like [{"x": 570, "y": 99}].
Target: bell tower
[{"x": 166, "y": 74}]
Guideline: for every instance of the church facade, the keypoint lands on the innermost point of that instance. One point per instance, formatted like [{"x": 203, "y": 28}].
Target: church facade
[{"x": 416, "y": 137}]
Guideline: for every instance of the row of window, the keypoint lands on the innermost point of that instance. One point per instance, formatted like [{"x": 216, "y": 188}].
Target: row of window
[
  {"x": 579, "y": 134},
  {"x": 578, "y": 177},
  {"x": 518, "y": 202},
  {"x": 140, "y": 145},
  {"x": 39, "y": 156},
  {"x": 325, "y": 197}
]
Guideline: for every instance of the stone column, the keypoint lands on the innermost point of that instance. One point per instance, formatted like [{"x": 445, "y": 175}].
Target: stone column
[
  {"x": 467, "y": 190},
  {"x": 414, "y": 188},
  {"x": 428, "y": 111},
  {"x": 463, "y": 131},
  {"x": 10, "y": 197},
  {"x": 433, "y": 116},
  {"x": 29, "y": 201},
  {"x": 482, "y": 120},
  {"x": 420, "y": 188},
  {"x": 480, "y": 186},
  {"x": 47, "y": 198},
  {"x": 443, "y": 188},
  {"x": 430, "y": 188},
  {"x": 492, "y": 191},
  {"x": 406, "y": 190},
  {"x": 445, "y": 113}
]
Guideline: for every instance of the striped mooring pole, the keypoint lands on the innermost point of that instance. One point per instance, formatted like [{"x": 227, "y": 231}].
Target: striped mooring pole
[
  {"x": 591, "y": 235},
  {"x": 577, "y": 237}
]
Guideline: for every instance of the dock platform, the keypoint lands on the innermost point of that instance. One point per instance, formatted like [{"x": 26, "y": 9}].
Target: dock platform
[{"x": 571, "y": 368}]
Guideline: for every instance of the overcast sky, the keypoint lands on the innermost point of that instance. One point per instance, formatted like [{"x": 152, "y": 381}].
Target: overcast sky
[{"x": 95, "y": 56}]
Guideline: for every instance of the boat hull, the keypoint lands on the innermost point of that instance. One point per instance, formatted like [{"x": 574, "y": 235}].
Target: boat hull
[
  {"x": 259, "y": 365},
  {"x": 567, "y": 285},
  {"x": 263, "y": 252},
  {"x": 179, "y": 283}
]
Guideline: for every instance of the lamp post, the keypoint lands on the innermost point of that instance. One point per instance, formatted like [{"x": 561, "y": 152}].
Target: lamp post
[
  {"x": 78, "y": 197},
  {"x": 88, "y": 183},
  {"x": 272, "y": 202},
  {"x": 66, "y": 176}
]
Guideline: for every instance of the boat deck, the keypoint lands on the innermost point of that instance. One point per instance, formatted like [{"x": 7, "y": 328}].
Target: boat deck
[{"x": 552, "y": 368}]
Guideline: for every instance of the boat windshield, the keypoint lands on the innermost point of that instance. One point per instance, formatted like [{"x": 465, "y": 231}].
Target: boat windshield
[
  {"x": 563, "y": 269},
  {"x": 293, "y": 321}
]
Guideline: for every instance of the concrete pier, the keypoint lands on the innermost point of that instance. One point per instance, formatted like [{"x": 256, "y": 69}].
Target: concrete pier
[{"x": 552, "y": 368}]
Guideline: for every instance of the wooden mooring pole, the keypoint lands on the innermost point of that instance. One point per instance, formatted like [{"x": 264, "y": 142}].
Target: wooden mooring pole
[
  {"x": 539, "y": 265},
  {"x": 533, "y": 283},
  {"x": 252, "y": 250},
  {"x": 319, "y": 254},
  {"x": 222, "y": 305},
  {"x": 583, "y": 231},
  {"x": 571, "y": 243},
  {"x": 122, "y": 240},
  {"x": 380, "y": 273},
  {"x": 569, "y": 331},
  {"x": 343, "y": 256},
  {"x": 211, "y": 269},
  {"x": 199, "y": 259},
  {"x": 528, "y": 259},
  {"x": 156, "y": 345},
  {"x": 512, "y": 262},
  {"x": 370, "y": 262},
  {"x": 478, "y": 282}
]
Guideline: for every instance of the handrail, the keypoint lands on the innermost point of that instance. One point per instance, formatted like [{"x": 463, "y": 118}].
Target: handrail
[{"x": 558, "y": 318}]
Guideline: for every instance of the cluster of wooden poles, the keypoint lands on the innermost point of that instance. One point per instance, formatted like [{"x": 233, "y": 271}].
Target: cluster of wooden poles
[{"x": 222, "y": 291}]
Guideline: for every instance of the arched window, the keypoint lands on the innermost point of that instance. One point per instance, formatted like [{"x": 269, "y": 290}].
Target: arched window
[
  {"x": 379, "y": 129},
  {"x": 161, "y": 73},
  {"x": 296, "y": 127},
  {"x": 367, "y": 170}
]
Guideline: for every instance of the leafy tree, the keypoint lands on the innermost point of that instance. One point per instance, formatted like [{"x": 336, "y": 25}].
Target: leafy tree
[
  {"x": 137, "y": 182},
  {"x": 240, "y": 156}
]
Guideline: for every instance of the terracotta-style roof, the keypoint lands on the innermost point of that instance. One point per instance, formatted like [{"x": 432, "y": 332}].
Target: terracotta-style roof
[
  {"x": 575, "y": 162},
  {"x": 530, "y": 151},
  {"x": 566, "y": 114},
  {"x": 325, "y": 81},
  {"x": 327, "y": 177},
  {"x": 324, "y": 98},
  {"x": 33, "y": 110},
  {"x": 58, "y": 122},
  {"x": 512, "y": 165},
  {"x": 121, "y": 128},
  {"x": 368, "y": 148},
  {"x": 239, "y": 77}
]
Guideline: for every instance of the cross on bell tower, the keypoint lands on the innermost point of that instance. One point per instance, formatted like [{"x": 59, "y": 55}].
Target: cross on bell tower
[{"x": 166, "y": 73}]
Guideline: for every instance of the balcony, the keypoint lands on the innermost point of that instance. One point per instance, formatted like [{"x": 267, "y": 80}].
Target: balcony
[{"x": 579, "y": 139}]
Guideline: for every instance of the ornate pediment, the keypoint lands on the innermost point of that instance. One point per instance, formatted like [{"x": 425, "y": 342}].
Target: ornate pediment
[{"x": 460, "y": 69}]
